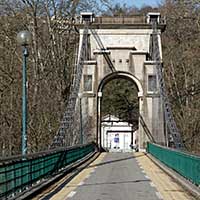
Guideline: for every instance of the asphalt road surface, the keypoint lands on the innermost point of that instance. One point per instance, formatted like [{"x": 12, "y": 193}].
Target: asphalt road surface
[{"x": 117, "y": 177}]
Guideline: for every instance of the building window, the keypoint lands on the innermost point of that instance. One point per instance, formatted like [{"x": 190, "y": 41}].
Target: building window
[
  {"x": 152, "y": 83},
  {"x": 88, "y": 83}
]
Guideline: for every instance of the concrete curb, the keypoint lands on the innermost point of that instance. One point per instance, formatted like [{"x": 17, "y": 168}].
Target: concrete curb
[{"x": 186, "y": 184}]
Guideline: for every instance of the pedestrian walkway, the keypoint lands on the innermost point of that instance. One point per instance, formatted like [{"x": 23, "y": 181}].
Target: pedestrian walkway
[
  {"x": 121, "y": 176},
  {"x": 167, "y": 187}
]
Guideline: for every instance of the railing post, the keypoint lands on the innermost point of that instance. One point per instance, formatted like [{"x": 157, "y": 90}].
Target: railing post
[
  {"x": 30, "y": 172},
  {"x": 6, "y": 179}
]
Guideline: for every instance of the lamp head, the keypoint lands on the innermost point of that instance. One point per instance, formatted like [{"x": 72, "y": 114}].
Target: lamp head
[
  {"x": 80, "y": 95},
  {"x": 24, "y": 38}
]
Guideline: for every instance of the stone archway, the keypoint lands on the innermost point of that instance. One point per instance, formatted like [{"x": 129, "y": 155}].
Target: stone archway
[
  {"x": 128, "y": 49},
  {"x": 103, "y": 82}
]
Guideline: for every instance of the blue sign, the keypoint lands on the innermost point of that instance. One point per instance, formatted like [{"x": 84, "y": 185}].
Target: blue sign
[{"x": 116, "y": 138}]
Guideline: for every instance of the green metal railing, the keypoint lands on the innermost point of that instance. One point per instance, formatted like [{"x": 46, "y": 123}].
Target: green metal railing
[
  {"x": 20, "y": 173},
  {"x": 185, "y": 164}
]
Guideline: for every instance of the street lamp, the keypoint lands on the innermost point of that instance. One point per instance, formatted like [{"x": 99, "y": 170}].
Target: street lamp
[
  {"x": 80, "y": 95},
  {"x": 24, "y": 39}
]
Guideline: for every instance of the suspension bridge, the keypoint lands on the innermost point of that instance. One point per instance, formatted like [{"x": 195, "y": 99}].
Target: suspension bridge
[{"x": 86, "y": 159}]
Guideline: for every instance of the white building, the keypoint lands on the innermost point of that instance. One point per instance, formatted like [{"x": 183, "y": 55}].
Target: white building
[{"x": 116, "y": 135}]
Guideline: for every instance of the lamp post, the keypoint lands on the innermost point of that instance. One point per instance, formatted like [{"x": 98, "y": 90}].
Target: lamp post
[
  {"x": 80, "y": 95},
  {"x": 24, "y": 39}
]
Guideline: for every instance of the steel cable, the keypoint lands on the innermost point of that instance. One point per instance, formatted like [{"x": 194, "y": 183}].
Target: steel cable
[{"x": 174, "y": 134}]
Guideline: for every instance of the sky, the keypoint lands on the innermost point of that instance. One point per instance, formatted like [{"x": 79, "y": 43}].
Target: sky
[{"x": 138, "y": 3}]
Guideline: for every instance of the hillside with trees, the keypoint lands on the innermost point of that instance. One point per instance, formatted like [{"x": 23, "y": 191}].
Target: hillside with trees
[
  {"x": 181, "y": 56},
  {"x": 49, "y": 70},
  {"x": 51, "y": 58}
]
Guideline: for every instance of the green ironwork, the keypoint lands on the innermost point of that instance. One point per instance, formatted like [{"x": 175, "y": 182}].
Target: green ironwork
[
  {"x": 184, "y": 163},
  {"x": 24, "y": 101},
  {"x": 20, "y": 173}
]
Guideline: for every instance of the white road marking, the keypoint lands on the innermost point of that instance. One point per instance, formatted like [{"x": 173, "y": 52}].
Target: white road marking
[
  {"x": 143, "y": 171},
  {"x": 152, "y": 184},
  {"x": 87, "y": 176},
  {"x": 140, "y": 166},
  {"x": 146, "y": 177},
  {"x": 71, "y": 194},
  {"x": 81, "y": 183},
  {"x": 159, "y": 195}
]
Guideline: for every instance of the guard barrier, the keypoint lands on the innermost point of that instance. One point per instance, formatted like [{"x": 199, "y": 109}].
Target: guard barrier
[
  {"x": 183, "y": 163},
  {"x": 20, "y": 173}
]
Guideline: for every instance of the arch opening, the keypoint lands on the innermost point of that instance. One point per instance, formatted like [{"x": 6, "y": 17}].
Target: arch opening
[{"x": 118, "y": 112}]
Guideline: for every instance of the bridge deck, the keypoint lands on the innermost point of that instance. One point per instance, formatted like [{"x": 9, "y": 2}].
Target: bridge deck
[{"x": 120, "y": 176}]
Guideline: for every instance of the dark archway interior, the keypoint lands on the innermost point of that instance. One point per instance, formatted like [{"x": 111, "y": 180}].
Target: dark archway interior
[{"x": 120, "y": 99}]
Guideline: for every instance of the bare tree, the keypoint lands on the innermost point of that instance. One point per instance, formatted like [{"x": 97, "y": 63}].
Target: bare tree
[
  {"x": 50, "y": 67},
  {"x": 181, "y": 60}
]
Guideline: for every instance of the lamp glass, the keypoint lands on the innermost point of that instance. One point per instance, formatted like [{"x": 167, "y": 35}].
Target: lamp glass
[
  {"x": 80, "y": 95},
  {"x": 24, "y": 38}
]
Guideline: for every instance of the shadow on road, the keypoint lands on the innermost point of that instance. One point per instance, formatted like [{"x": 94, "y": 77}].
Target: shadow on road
[
  {"x": 116, "y": 160},
  {"x": 109, "y": 183}
]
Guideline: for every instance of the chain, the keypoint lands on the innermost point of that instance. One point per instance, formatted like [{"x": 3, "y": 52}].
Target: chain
[
  {"x": 174, "y": 136},
  {"x": 68, "y": 132}
]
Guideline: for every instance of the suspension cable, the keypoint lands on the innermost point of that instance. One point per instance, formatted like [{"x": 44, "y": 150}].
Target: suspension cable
[
  {"x": 174, "y": 134},
  {"x": 101, "y": 46},
  {"x": 65, "y": 133}
]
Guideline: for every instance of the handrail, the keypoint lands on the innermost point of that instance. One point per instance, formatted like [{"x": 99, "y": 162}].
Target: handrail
[
  {"x": 38, "y": 154},
  {"x": 20, "y": 173},
  {"x": 183, "y": 163}
]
